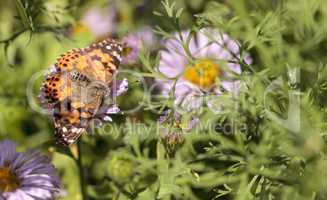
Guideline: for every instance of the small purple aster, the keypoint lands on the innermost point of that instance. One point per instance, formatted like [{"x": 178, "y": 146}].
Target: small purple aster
[
  {"x": 214, "y": 59},
  {"x": 26, "y": 176},
  {"x": 132, "y": 47},
  {"x": 134, "y": 42},
  {"x": 99, "y": 21},
  {"x": 147, "y": 36}
]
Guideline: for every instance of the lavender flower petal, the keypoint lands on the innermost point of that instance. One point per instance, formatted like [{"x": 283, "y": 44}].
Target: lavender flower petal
[{"x": 37, "y": 177}]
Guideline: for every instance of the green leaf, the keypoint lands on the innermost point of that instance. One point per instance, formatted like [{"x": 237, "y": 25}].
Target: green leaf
[
  {"x": 179, "y": 12},
  {"x": 25, "y": 18},
  {"x": 158, "y": 13}
]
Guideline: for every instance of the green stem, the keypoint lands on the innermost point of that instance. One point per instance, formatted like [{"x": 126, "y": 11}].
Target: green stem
[{"x": 81, "y": 171}]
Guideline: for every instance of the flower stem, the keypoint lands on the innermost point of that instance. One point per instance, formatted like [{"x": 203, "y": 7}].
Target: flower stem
[{"x": 81, "y": 171}]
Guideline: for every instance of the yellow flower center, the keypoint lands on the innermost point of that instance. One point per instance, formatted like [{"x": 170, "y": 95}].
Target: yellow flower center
[
  {"x": 8, "y": 181},
  {"x": 203, "y": 73},
  {"x": 79, "y": 28},
  {"x": 126, "y": 51}
]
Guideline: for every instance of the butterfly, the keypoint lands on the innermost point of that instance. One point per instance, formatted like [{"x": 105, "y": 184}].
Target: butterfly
[{"x": 77, "y": 88}]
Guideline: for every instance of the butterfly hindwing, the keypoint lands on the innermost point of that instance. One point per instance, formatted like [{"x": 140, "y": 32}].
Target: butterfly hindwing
[
  {"x": 70, "y": 121},
  {"x": 69, "y": 116}
]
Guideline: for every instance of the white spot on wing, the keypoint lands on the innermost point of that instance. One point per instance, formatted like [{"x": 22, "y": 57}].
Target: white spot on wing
[{"x": 64, "y": 129}]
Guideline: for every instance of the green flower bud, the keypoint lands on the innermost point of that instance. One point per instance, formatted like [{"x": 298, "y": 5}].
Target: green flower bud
[{"x": 120, "y": 168}]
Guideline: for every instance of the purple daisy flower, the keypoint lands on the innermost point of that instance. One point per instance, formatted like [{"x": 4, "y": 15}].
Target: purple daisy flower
[
  {"x": 132, "y": 47},
  {"x": 29, "y": 175},
  {"x": 206, "y": 68},
  {"x": 134, "y": 42},
  {"x": 99, "y": 21}
]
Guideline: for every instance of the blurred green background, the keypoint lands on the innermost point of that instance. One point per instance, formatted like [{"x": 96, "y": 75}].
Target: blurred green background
[{"x": 127, "y": 160}]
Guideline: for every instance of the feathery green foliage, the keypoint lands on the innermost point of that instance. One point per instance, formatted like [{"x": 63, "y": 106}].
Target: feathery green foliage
[{"x": 268, "y": 142}]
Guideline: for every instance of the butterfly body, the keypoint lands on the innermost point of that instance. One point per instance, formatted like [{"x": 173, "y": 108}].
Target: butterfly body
[{"x": 78, "y": 87}]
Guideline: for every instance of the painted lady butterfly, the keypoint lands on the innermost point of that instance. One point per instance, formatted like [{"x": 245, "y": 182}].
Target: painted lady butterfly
[{"x": 77, "y": 89}]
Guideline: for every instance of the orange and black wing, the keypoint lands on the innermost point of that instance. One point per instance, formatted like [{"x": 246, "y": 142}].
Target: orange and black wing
[
  {"x": 98, "y": 62},
  {"x": 64, "y": 88}
]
